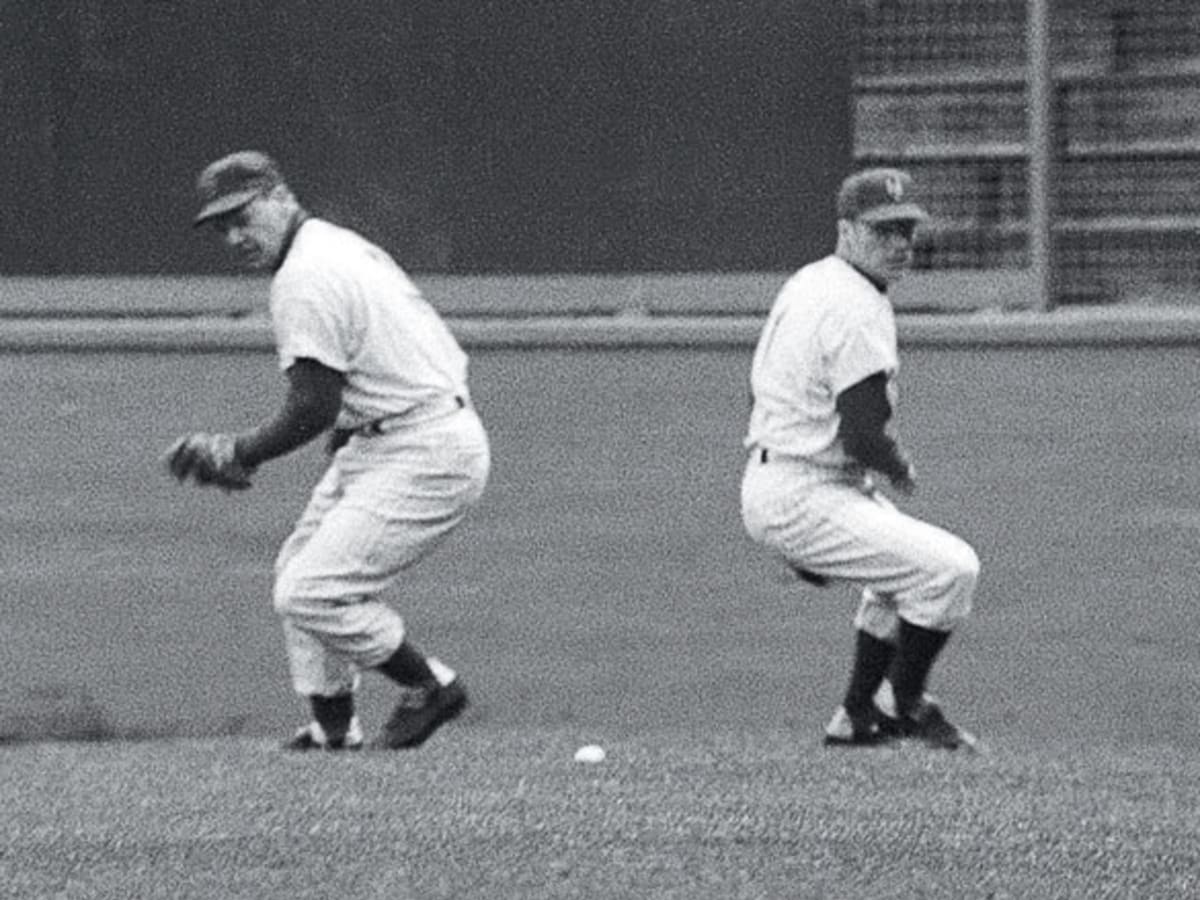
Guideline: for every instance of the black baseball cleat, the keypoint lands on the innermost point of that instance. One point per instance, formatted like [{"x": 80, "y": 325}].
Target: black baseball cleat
[
  {"x": 846, "y": 730},
  {"x": 312, "y": 737},
  {"x": 420, "y": 712},
  {"x": 929, "y": 725}
]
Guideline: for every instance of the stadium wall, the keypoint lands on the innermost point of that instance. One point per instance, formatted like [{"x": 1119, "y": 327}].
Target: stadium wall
[
  {"x": 221, "y": 314},
  {"x": 465, "y": 138}
]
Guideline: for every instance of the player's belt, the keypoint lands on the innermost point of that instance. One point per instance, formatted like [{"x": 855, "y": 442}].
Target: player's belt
[
  {"x": 426, "y": 412},
  {"x": 764, "y": 456}
]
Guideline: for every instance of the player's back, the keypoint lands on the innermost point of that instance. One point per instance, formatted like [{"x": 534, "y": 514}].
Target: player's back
[{"x": 390, "y": 342}]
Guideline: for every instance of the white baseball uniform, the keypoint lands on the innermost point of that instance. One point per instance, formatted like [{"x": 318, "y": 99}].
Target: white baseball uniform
[
  {"x": 416, "y": 464},
  {"x": 803, "y": 496}
]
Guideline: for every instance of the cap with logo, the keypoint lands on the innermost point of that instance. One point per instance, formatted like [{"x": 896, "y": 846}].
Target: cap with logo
[
  {"x": 879, "y": 195},
  {"x": 233, "y": 181}
]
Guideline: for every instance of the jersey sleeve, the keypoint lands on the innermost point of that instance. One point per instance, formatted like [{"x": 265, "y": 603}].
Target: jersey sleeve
[
  {"x": 309, "y": 323},
  {"x": 855, "y": 348}
]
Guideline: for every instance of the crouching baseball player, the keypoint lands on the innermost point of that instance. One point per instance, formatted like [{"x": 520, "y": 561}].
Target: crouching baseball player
[
  {"x": 823, "y": 380},
  {"x": 365, "y": 356}
]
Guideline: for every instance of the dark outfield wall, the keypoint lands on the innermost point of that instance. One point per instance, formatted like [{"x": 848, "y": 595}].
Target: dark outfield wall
[{"x": 574, "y": 135}]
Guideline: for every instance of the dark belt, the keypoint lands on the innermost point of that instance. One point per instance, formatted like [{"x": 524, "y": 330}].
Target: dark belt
[
  {"x": 764, "y": 455},
  {"x": 383, "y": 425}
]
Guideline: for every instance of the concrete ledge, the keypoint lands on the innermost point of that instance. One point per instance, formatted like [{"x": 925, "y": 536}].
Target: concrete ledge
[
  {"x": 1095, "y": 326},
  {"x": 192, "y": 335},
  {"x": 121, "y": 296},
  {"x": 494, "y": 296},
  {"x": 1073, "y": 326},
  {"x": 484, "y": 296},
  {"x": 964, "y": 290}
]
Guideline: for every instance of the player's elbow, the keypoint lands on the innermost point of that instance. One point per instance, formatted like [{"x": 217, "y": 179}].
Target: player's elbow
[
  {"x": 860, "y": 445},
  {"x": 318, "y": 413},
  {"x": 873, "y": 449}
]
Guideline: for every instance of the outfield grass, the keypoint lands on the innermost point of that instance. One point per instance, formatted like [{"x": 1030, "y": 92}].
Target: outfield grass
[
  {"x": 604, "y": 592},
  {"x": 497, "y": 813}
]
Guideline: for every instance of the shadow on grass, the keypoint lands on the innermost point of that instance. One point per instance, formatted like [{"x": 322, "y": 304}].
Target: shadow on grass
[{"x": 68, "y": 712}]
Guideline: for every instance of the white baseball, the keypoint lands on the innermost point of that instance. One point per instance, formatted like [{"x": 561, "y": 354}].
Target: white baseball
[{"x": 590, "y": 753}]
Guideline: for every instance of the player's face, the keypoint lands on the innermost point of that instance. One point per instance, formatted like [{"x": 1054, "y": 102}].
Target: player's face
[
  {"x": 256, "y": 232},
  {"x": 884, "y": 250}
]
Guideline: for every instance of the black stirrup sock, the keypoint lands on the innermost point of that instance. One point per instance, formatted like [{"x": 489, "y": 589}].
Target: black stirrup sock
[
  {"x": 916, "y": 650},
  {"x": 872, "y": 659}
]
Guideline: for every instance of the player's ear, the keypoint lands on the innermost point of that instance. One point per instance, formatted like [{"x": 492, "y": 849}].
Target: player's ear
[
  {"x": 845, "y": 233},
  {"x": 281, "y": 193}
]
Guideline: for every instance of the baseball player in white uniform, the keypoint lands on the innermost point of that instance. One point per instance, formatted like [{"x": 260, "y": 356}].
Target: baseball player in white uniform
[
  {"x": 823, "y": 379},
  {"x": 369, "y": 360}
]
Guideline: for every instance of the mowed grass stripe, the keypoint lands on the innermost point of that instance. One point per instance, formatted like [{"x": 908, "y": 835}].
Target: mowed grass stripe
[{"x": 497, "y": 813}]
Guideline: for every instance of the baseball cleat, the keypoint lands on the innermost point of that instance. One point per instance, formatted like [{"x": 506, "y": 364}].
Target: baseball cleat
[
  {"x": 419, "y": 713},
  {"x": 312, "y": 737},
  {"x": 929, "y": 725},
  {"x": 845, "y": 730}
]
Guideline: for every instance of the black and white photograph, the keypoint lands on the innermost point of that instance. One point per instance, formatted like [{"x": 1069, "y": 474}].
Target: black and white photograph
[{"x": 600, "y": 449}]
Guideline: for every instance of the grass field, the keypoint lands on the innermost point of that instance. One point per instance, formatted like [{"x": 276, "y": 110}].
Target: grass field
[
  {"x": 486, "y": 812},
  {"x": 604, "y": 593}
]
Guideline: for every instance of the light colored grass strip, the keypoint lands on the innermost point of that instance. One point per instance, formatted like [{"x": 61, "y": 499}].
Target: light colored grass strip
[{"x": 507, "y": 814}]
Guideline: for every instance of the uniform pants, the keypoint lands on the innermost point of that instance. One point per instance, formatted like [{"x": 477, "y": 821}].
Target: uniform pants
[
  {"x": 384, "y": 503},
  {"x": 835, "y": 523}
]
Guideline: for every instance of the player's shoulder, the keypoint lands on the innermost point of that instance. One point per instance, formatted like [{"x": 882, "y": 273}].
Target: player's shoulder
[
  {"x": 325, "y": 251},
  {"x": 828, "y": 283},
  {"x": 829, "y": 298},
  {"x": 320, "y": 241}
]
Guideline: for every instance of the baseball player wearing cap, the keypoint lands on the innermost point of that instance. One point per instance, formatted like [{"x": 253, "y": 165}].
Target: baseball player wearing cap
[
  {"x": 823, "y": 380},
  {"x": 369, "y": 360}
]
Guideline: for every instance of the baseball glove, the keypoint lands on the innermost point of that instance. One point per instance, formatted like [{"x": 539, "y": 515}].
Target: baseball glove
[{"x": 209, "y": 460}]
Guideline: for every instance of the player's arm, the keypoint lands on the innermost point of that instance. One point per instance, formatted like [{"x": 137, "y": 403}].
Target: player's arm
[
  {"x": 865, "y": 410},
  {"x": 311, "y": 406}
]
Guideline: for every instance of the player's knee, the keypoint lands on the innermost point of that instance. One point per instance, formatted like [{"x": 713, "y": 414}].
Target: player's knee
[
  {"x": 306, "y": 598},
  {"x": 962, "y": 574},
  {"x": 964, "y": 567},
  {"x": 283, "y": 602},
  {"x": 287, "y": 594}
]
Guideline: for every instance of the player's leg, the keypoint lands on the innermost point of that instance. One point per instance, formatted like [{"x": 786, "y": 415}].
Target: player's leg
[
  {"x": 325, "y": 677},
  {"x": 330, "y": 592},
  {"x": 924, "y": 607},
  {"x": 857, "y": 720},
  {"x": 918, "y": 622},
  {"x": 875, "y": 628},
  {"x": 390, "y": 514},
  {"x": 920, "y": 582},
  {"x": 329, "y": 683},
  {"x": 776, "y": 512},
  {"x": 912, "y": 617},
  {"x": 326, "y": 681},
  {"x": 430, "y": 501}
]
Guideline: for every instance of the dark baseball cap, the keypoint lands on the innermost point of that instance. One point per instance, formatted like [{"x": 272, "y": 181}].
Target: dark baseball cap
[
  {"x": 879, "y": 195},
  {"x": 233, "y": 181}
]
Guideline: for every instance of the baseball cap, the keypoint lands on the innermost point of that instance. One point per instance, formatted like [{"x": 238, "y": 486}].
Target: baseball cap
[
  {"x": 232, "y": 181},
  {"x": 879, "y": 195}
]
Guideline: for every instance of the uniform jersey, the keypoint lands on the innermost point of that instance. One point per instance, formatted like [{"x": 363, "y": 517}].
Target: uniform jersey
[
  {"x": 342, "y": 301},
  {"x": 828, "y": 329}
]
